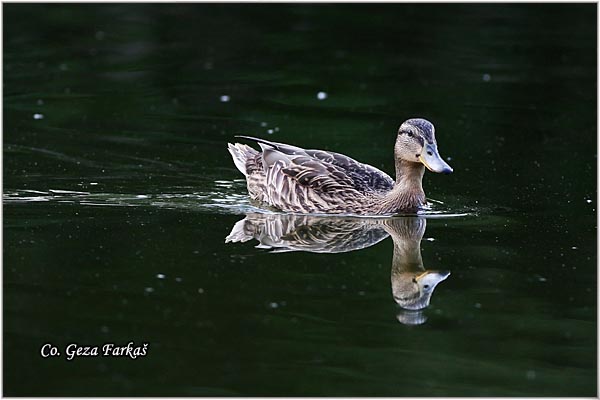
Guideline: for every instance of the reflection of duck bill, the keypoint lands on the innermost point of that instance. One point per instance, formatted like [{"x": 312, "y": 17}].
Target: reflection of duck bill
[
  {"x": 417, "y": 294},
  {"x": 429, "y": 279}
]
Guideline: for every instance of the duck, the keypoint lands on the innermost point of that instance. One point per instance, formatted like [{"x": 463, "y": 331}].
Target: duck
[{"x": 296, "y": 180}]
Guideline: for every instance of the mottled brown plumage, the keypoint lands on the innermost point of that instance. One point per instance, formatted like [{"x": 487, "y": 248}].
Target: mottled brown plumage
[{"x": 297, "y": 180}]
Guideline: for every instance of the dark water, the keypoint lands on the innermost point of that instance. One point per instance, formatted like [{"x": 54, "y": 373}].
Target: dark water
[{"x": 119, "y": 194}]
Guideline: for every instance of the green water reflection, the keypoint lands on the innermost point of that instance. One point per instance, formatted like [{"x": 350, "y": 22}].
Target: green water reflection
[{"x": 119, "y": 194}]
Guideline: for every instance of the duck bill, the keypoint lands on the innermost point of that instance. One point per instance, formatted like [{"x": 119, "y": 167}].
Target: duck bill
[{"x": 433, "y": 161}]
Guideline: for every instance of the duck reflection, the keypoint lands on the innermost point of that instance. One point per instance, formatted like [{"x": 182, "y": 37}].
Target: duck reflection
[{"x": 412, "y": 283}]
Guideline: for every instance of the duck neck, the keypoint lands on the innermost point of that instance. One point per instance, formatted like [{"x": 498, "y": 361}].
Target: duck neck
[{"x": 407, "y": 194}]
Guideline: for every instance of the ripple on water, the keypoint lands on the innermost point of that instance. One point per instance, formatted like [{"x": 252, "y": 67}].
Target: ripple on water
[
  {"x": 222, "y": 196},
  {"x": 225, "y": 196}
]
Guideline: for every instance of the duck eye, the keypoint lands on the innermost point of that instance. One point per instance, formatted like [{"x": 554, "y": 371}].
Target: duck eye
[
  {"x": 430, "y": 153},
  {"x": 410, "y": 134},
  {"x": 426, "y": 286}
]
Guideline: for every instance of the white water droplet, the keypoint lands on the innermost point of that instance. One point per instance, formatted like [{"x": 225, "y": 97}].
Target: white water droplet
[
  {"x": 149, "y": 290},
  {"x": 270, "y": 131},
  {"x": 224, "y": 98},
  {"x": 38, "y": 116},
  {"x": 321, "y": 95},
  {"x": 486, "y": 77},
  {"x": 160, "y": 276}
]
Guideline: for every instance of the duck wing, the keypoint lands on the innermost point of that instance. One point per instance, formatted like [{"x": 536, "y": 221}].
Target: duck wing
[
  {"x": 365, "y": 178},
  {"x": 300, "y": 183}
]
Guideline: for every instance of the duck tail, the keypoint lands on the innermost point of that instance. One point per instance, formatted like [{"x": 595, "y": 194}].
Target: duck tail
[{"x": 240, "y": 154}]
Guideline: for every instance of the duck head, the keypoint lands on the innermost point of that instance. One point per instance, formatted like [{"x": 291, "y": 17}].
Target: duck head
[{"x": 416, "y": 143}]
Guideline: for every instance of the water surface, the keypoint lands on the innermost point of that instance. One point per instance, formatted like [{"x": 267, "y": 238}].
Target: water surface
[{"x": 119, "y": 195}]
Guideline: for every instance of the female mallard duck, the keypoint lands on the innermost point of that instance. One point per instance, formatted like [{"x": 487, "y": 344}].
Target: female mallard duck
[{"x": 293, "y": 179}]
